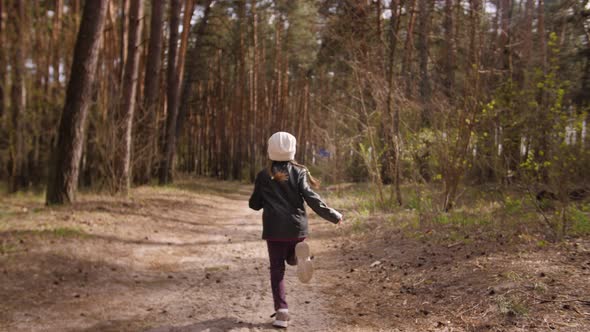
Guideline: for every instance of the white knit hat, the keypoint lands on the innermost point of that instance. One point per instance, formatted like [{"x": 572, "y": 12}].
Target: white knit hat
[{"x": 282, "y": 146}]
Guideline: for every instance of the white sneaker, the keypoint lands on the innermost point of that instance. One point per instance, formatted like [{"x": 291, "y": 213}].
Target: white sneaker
[
  {"x": 281, "y": 318},
  {"x": 304, "y": 264}
]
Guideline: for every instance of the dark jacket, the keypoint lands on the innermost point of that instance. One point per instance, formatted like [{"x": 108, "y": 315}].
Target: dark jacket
[{"x": 284, "y": 215}]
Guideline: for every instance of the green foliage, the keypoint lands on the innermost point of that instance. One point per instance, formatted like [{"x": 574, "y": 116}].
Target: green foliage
[
  {"x": 580, "y": 220},
  {"x": 512, "y": 306},
  {"x": 512, "y": 205},
  {"x": 419, "y": 201},
  {"x": 67, "y": 232},
  {"x": 59, "y": 232},
  {"x": 357, "y": 225},
  {"x": 7, "y": 248},
  {"x": 302, "y": 39},
  {"x": 461, "y": 219}
]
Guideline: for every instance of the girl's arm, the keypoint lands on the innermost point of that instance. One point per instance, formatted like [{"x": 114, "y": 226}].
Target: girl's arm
[
  {"x": 316, "y": 203},
  {"x": 256, "y": 202}
]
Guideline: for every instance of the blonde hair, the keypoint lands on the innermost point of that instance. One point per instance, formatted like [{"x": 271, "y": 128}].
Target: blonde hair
[{"x": 282, "y": 176}]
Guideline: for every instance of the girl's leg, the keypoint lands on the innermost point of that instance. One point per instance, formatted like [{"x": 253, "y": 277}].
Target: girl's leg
[
  {"x": 277, "y": 253},
  {"x": 291, "y": 257}
]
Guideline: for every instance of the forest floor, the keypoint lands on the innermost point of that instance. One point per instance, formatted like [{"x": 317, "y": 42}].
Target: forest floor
[{"x": 190, "y": 258}]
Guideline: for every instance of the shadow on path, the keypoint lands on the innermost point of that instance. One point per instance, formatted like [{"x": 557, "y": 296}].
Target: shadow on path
[{"x": 213, "y": 325}]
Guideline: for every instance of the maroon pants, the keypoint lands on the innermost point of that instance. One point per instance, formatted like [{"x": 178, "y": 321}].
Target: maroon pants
[{"x": 280, "y": 252}]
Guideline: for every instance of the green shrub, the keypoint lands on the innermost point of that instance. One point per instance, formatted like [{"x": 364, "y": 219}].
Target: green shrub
[
  {"x": 512, "y": 205},
  {"x": 580, "y": 221}
]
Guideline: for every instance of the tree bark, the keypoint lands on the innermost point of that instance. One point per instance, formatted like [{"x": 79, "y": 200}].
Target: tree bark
[
  {"x": 391, "y": 124},
  {"x": 239, "y": 93},
  {"x": 450, "y": 50},
  {"x": 123, "y": 47},
  {"x": 425, "y": 8},
  {"x": 147, "y": 125},
  {"x": 171, "y": 89},
  {"x": 455, "y": 168},
  {"x": 186, "y": 24},
  {"x": 254, "y": 87},
  {"x": 2, "y": 62},
  {"x": 18, "y": 97},
  {"x": 543, "y": 153},
  {"x": 65, "y": 169},
  {"x": 56, "y": 40},
  {"x": 128, "y": 92},
  {"x": 407, "y": 67},
  {"x": 165, "y": 175},
  {"x": 190, "y": 77}
]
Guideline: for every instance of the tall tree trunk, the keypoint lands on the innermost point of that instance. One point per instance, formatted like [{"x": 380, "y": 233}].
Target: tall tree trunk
[
  {"x": 171, "y": 90},
  {"x": 378, "y": 18},
  {"x": 56, "y": 31},
  {"x": 123, "y": 46},
  {"x": 254, "y": 87},
  {"x": 175, "y": 71},
  {"x": 511, "y": 129},
  {"x": 391, "y": 125},
  {"x": 425, "y": 8},
  {"x": 407, "y": 67},
  {"x": 192, "y": 67},
  {"x": 2, "y": 63},
  {"x": 506, "y": 36},
  {"x": 455, "y": 167},
  {"x": 276, "y": 109},
  {"x": 527, "y": 41},
  {"x": 128, "y": 92},
  {"x": 543, "y": 153},
  {"x": 450, "y": 50},
  {"x": 541, "y": 34},
  {"x": 18, "y": 96},
  {"x": 63, "y": 177},
  {"x": 147, "y": 127},
  {"x": 186, "y": 24},
  {"x": 239, "y": 93}
]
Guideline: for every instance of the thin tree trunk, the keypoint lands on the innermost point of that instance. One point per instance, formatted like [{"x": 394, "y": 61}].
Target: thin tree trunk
[
  {"x": 391, "y": 126},
  {"x": 65, "y": 169},
  {"x": 378, "y": 17},
  {"x": 128, "y": 93},
  {"x": 173, "y": 98},
  {"x": 123, "y": 47},
  {"x": 512, "y": 132},
  {"x": 276, "y": 111},
  {"x": 56, "y": 40},
  {"x": 254, "y": 87},
  {"x": 172, "y": 93},
  {"x": 153, "y": 66},
  {"x": 18, "y": 97},
  {"x": 2, "y": 62},
  {"x": 450, "y": 50},
  {"x": 239, "y": 91},
  {"x": 425, "y": 8},
  {"x": 190, "y": 77},
  {"x": 186, "y": 24},
  {"x": 543, "y": 153},
  {"x": 456, "y": 165},
  {"x": 527, "y": 41},
  {"x": 407, "y": 68}
]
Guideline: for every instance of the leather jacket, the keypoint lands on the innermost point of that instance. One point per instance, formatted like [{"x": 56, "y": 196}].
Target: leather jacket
[{"x": 284, "y": 215}]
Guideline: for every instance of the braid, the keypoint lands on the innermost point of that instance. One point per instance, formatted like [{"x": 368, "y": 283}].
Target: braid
[
  {"x": 315, "y": 183},
  {"x": 278, "y": 176}
]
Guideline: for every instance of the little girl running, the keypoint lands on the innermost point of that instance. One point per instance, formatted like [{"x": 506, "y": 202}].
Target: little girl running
[{"x": 280, "y": 190}]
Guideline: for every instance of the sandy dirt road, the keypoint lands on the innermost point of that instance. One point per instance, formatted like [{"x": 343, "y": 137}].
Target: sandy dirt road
[
  {"x": 187, "y": 259},
  {"x": 190, "y": 258}
]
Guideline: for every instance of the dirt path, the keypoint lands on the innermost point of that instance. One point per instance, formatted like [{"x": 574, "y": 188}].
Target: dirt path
[
  {"x": 162, "y": 260},
  {"x": 190, "y": 258}
]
